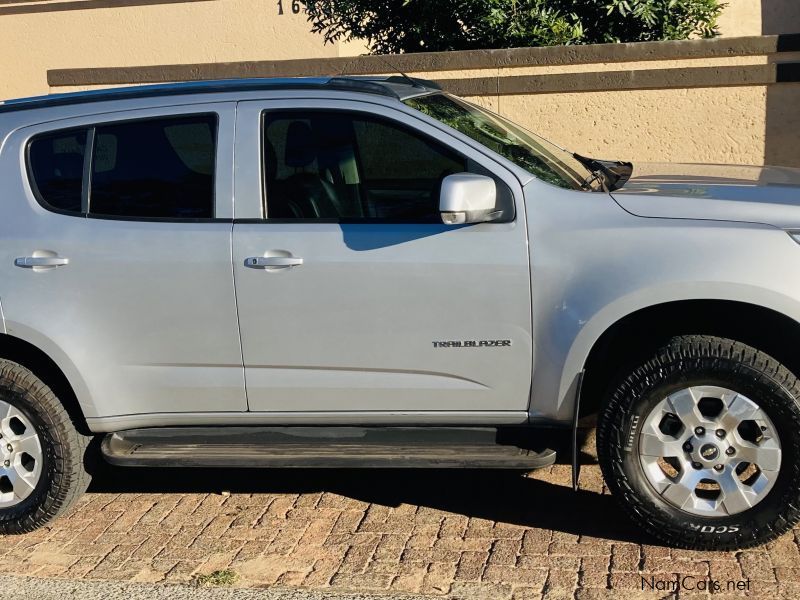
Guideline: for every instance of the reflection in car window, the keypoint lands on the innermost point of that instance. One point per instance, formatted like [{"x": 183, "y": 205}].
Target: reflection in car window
[
  {"x": 159, "y": 168},
  {"x": 56, "y": 163},
  {"x": 536, "y": 155},
  {"x": 339, "y": 165}
]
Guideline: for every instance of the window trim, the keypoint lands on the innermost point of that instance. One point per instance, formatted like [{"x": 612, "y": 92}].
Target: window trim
[
  {"x": 353, "y": 221},
  {"x": 90, "y": 129},
  {"x": 32, "y": 180},
  {"x": 86, "y": 180}
]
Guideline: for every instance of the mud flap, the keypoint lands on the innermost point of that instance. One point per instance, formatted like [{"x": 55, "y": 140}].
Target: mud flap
[{"x": 576, "y": 463}]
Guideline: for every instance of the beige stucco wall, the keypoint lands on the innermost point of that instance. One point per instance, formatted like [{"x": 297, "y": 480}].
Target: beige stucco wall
[
  {"x": 700, "y": 124},
  {"x": 48, "y": 34},
  {"x": 738, "y": 124},
  {"x": 183, "y": 32},
  {"x": 689, "y": 125},
  {"x": 760, "y": 17},
  {"x": 704, "y": 125},
  {"x": 742, "y": 17}
]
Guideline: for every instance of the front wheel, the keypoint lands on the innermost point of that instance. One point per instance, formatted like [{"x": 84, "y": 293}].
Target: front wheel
[{"x": 701, "y": 444}]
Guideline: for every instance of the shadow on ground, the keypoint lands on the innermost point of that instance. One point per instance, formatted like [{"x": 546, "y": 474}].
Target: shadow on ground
[{"x": 500, "y": 496}]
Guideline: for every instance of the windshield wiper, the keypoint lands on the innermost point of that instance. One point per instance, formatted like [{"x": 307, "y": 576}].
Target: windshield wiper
[
  {"x": 596, "y": 176},
  {"x": 613, "y": 173}
]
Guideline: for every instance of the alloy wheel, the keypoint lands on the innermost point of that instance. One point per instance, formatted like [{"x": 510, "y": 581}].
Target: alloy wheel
[
  {"x": 709, "y": 451},
  {"x": 21, "y": 456}
]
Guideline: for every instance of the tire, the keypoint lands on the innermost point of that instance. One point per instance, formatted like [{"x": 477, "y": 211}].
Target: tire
[
  {"x": 59, "y": 477},
  {"x": 739, "y": 380}
]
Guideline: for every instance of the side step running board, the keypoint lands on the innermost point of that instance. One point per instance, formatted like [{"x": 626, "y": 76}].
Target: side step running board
[{"x": 321, "y": 447}]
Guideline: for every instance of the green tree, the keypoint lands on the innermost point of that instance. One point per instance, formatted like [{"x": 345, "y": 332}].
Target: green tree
[{"x": 393, "y": 26}]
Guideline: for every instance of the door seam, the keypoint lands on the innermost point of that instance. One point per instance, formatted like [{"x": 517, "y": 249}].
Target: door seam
[{"x": 233, "y": 266}]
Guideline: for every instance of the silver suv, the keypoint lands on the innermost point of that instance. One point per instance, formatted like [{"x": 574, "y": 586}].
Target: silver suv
[{"x": 370, "y": 272}]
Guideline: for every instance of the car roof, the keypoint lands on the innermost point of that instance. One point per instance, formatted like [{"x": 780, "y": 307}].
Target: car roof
[{"x": 399, "y": 87}]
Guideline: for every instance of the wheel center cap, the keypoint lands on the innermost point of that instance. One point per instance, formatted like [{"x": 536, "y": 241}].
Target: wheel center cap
[{"x": 709, "y": 452}]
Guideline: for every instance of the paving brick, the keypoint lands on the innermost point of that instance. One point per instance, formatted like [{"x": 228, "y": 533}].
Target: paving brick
[
  {"x": 464, "y": 545},
  {"x": 361, "y": 582},
  {"x": 558, "y": 594},
  {"x": 439, "y": 578},
  {"x": 784, "y": 552},
  {"x": 408, "y": 582},
  {"x": 756, "y": 565},
  {"x": 575, "y": 549},
  {"x": 348, "y": 522},
  {"x": 322, "y": 572},
  {"x": 390, "y": 547},
  {"x": 182, "y": 571},
  {"x": 529, "y": 577},
  {"x": 561, "y": 579},
  {"x": 625, "y": 557},
  {"x": 536, "y": 541},
  {"x": 526, "y": 593},
  {"x": 431, "y": 555},
  {"x": 252, "y": 549},
  {"x": 724, "y": 570},
  {"x": 505, "y": 552},
  {"x": 613, "y": 594},
  {"x": 669, "y": 565},
  {"x": 566, "y": 537},
  {"x": 454, "y": 526},
  {"x": 357, "y": 557},
  {"x": 465, "y": 590},
  {"x": 323, "y": 539},
  {"x": 549, "y": 562},
  {"x": 471, "y": 566},
  {"x": 594, "y": 572}
]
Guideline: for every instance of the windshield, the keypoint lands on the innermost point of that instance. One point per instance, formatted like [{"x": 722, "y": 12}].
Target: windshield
[{"x": 536, "y": 155}]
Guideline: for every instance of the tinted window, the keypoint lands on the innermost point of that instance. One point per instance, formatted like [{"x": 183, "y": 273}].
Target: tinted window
[
  {"x": 160, "y": 168},
  {"x": 336, "y": 165},
  {"x": 56, "y": 163}
]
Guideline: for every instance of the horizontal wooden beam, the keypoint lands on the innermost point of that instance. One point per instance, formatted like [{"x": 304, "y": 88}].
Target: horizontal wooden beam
[
  {"x": 426, "y": 62},
  {"x": 600, "y": 81}
]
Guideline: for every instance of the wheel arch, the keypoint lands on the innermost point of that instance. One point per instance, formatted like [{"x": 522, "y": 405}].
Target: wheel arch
[
  {"x": 41, "y": 364},
  {"x": 623, "y": 343}
]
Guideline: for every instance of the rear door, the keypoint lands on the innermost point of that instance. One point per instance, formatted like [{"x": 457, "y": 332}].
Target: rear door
[
  {"x": 355, "y": 302},
  {"x": 125, "y": 220}
]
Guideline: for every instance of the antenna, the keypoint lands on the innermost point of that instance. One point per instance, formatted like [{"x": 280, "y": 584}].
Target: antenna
[{"x": 394, "y": 69}]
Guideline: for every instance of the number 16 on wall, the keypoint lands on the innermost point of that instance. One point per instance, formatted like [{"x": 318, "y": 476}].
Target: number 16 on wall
[{"x": 295, "y": 7}]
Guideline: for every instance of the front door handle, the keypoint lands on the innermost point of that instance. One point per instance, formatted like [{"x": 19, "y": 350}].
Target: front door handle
[
  {"x": 281, "y": 262},
  {"x": 29, "y": 262}
]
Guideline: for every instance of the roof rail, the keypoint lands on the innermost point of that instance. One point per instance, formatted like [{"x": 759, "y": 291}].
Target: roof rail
[{"x": 384, "y": 86}]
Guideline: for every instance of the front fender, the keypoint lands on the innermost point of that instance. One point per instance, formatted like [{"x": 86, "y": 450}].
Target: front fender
[{"x": 593, "y": 264}]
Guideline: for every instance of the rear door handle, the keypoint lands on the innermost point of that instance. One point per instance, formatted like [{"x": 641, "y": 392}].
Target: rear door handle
[
  {"x": 28, "y": 262},
  {"x": 260, "y": 262}
]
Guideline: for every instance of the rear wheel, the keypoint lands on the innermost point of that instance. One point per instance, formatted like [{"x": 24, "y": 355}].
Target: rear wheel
[
  {"x": 701, "y": 444},
  {"x": 41, "y": 453}
]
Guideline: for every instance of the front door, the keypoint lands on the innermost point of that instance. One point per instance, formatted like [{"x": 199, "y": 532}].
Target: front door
[{"x": 353, "y": 296}]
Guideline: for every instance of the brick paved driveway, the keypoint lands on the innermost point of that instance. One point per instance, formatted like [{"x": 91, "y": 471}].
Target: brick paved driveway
[{"x": 464, "y": 533}]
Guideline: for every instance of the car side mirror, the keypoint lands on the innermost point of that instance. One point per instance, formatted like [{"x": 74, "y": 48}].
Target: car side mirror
[{"x": 468, "y": 198}]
